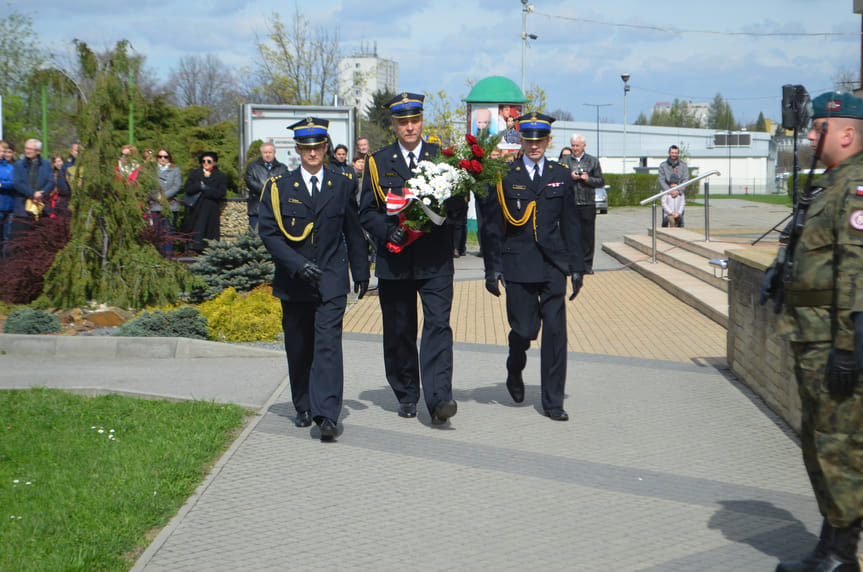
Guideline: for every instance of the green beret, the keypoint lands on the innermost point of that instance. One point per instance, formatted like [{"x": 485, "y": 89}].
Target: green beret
[{"x": 837, "y": 104}]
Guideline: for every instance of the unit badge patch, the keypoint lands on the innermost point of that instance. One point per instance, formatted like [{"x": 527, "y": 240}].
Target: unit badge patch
[{"x": 856, "y": 220}]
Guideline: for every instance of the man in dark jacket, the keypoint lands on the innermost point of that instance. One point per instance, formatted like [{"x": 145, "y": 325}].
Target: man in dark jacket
[
  {"x": 531, "y": 243},
  {"x": 424, "y": 266},
  {"x": 32, "y": 178},
  {"x": 587, "y": 175},
  {"x": 306, "y": 217},
  {"x": 257, "y": 174}
]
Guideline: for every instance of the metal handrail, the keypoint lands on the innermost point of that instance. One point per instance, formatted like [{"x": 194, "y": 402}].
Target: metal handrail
[{"x": 679, "y": 187}]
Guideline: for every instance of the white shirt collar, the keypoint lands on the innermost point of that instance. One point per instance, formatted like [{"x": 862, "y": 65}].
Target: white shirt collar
[
  {"x": 307, "y": 178},
  {"x": 416, "y": 151},
  {"x": 528, "y": 164}
]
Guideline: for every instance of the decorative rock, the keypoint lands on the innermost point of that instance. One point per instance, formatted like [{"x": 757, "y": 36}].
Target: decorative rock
[{"x": 109, "y": 317}]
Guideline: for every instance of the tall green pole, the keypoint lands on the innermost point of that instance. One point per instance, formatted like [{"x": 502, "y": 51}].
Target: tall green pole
[
  {"x": 131, "y": 111},
  {"x": 44, "y": 120}
]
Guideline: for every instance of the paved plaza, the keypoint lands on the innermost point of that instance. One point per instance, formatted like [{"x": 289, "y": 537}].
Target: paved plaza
[{"x": 667, "y": 462}]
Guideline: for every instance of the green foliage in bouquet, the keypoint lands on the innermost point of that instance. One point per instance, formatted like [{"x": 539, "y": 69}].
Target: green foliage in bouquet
[
  {"x": 31, "y": 321},
  {"x": 473, "y": 156},
  {"x": 242, "y": 264},
  {"x": 233, "y": 317}
]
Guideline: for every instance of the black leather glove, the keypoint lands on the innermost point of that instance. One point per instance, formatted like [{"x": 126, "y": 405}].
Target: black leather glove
[
  {"x": 310, "y": 272},
  {"x": 858, "y": 339},
  {"x": 398, "y": 236},
  {"x": 577, "y": 281},
  {"x": 360, "y": 288},
  {"x": 841, "y": 372},
  {"x": 491, "y": 283}
]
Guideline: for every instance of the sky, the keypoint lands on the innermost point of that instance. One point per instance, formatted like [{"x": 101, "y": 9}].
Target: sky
[{"x": 686, "y": 50}]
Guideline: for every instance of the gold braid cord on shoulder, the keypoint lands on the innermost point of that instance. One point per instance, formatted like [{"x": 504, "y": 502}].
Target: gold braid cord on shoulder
[
  {"x": 277, "y": 212},
  {"x": 380, "y": 197},
  {"x": 529, "y": 212}
]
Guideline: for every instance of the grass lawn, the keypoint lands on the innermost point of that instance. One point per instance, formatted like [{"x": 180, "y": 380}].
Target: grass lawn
[
  {"x": 774, "y": 199},
  {"x": 85, "y": 482}
]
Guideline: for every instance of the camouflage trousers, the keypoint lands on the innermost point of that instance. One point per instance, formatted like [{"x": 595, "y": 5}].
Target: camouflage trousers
[{"x": 832, "y": 437}]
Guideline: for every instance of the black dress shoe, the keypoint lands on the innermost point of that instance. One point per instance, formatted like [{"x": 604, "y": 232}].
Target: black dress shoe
[
  {"x": 303, "y": 419},
  {"x": 515, "y": 386},
  {"x": 408, "y": 410},
  {"x": 557, "y": 414},
  {"x": 443, "y": 411},
  {"x": 329, "y": 429}
]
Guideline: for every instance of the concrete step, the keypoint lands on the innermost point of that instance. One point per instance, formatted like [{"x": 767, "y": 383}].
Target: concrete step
[
  {"x": 677, "y": 255},
  {"x": 707, "y": 299},
  {"x": 693, "y": 241}
]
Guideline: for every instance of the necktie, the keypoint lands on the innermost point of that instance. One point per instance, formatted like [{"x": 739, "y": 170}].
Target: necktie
[
  {"x": 314, "y": 181},
  {"x": 269, "y": 166},
  {"x": 412, "y": 164},
  {"x": 535, "y": 171}
]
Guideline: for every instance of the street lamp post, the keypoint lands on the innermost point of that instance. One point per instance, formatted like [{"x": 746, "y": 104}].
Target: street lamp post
[
  {"x": 525, "y": 37},
  {"x": 597, "y": 106},
  {"x": 625, "y": 78}
]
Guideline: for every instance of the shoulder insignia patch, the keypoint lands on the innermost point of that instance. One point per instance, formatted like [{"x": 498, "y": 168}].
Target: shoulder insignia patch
[
  {"x": 856, "y": 220},
  {"x": 859, "y": 190}
]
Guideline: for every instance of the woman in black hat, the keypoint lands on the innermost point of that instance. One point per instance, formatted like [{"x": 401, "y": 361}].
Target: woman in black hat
[{"x": 204, "y": 190}]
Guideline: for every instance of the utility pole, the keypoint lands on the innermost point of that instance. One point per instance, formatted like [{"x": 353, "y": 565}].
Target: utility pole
[{"x": 597, "y": 106}]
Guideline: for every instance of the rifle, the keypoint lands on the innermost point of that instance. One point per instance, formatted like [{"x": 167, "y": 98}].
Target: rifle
[{"x": 790, "y": 235}]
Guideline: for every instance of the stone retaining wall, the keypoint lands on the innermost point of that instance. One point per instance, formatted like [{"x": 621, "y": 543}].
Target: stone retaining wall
[{"x": 756, "y": 355}]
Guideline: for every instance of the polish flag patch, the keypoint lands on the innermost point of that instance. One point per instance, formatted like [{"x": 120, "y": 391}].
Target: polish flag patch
[
  {"x": 859, "y": 190},
  {"x": 856, "y": 220}
]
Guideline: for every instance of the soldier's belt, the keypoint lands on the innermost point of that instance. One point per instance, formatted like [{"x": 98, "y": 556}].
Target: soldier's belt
[{"x": 809, "y": 298}]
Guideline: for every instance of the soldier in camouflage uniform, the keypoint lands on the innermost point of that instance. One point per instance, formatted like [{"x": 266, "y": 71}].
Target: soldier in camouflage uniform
[{"x": 822, "y": 283}]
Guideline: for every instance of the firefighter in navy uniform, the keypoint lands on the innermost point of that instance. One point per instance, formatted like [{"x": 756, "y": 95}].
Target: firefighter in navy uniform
[
  {"x": 423, "y": 267},
  {"x": 531, "y": 244},
  {"x": 306, "y": 217}
]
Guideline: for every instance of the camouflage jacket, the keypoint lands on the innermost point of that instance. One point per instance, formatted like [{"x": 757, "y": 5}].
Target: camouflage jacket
[{"x": 827, "y": 271}]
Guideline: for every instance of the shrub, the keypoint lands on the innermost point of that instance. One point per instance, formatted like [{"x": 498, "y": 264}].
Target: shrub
[
  {"x": 256, "y": 316},
  {"x": 31, "y": 321},
  {"x": 22, "y": 274},
  {"x": 184, "y": 322},
  {"x": 638, "y": 187},
  {"x": 242, "y": 264}
]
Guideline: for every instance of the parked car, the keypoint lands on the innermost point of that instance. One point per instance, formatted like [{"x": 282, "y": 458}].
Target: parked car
[{"x": 602, "y": 199}]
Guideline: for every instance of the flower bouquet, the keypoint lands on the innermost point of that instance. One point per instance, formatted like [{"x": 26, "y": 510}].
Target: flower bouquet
[{"x": 457, "y": 172}]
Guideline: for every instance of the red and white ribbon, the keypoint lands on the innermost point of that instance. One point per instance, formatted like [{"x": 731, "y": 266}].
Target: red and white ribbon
[{"x": 398, "y": 203}]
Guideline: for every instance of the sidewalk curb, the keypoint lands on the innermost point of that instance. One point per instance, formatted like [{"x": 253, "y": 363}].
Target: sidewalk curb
[
  {"x": 114, "y": 347},
  {"x": 190, "y": 503}
]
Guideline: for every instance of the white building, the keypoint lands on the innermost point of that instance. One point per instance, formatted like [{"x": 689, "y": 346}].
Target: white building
[
  {"x": 363, "y": 74},
  {"x": 745, "y": 160}
]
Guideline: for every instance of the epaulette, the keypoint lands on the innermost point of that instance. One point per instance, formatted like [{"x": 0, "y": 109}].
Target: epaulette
[{"x": 335, "y": 171}]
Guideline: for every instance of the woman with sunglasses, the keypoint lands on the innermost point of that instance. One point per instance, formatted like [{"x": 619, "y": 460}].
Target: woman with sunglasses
[
  {"x": 170, "y": 183},
  {"x": 203, "y": 192}
]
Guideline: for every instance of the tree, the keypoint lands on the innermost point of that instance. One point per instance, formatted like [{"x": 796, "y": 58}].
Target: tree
[
  {"x": 536, "y": 99},
  {"x": 761, "y": 123},
  {"x": 297, "y": 66},
  {"x": 642, "y": 119},
  {"x": 845, "y": 80},
  {"x": 208, "y": 82},
  {"x": 561, "y": 115},
  {"x": 440, "y": 117},
  {"x": 678, "y": 115},
  {"x": 106, "y": 258},
  {"x": 720, "y": 116},
  {"x": 378, "y": 127}
]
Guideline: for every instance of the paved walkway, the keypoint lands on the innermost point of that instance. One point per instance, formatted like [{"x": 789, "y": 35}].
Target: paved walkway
[{"x": 667, "y": 463}]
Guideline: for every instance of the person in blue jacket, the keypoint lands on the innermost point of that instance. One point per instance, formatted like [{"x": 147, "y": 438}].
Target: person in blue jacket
[{"x": 32, "y": 178}]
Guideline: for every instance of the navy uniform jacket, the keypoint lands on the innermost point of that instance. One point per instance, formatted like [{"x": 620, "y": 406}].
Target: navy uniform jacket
[
  {"x": 520, "y": 252},
  {"x": 431, "y": 254},
  {"x": 315, "y": 234}
]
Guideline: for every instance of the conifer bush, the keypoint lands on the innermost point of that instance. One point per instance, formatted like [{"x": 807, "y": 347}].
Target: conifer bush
[
  {"x": 242, "y": 264},
  {"x": 31, "y": 321},
  {"x": 234, "y": 317},
  {"x": 184, "y": 322}
]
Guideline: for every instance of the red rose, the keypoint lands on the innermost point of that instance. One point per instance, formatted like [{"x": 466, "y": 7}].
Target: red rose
[
  {"x": 470, "y": 139},
  {"x": 448, "y": 152},
  {"x": 476, "y": 166},
  {"x": 477, "y": 151},
  {"x": 464, "y": 164}
]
